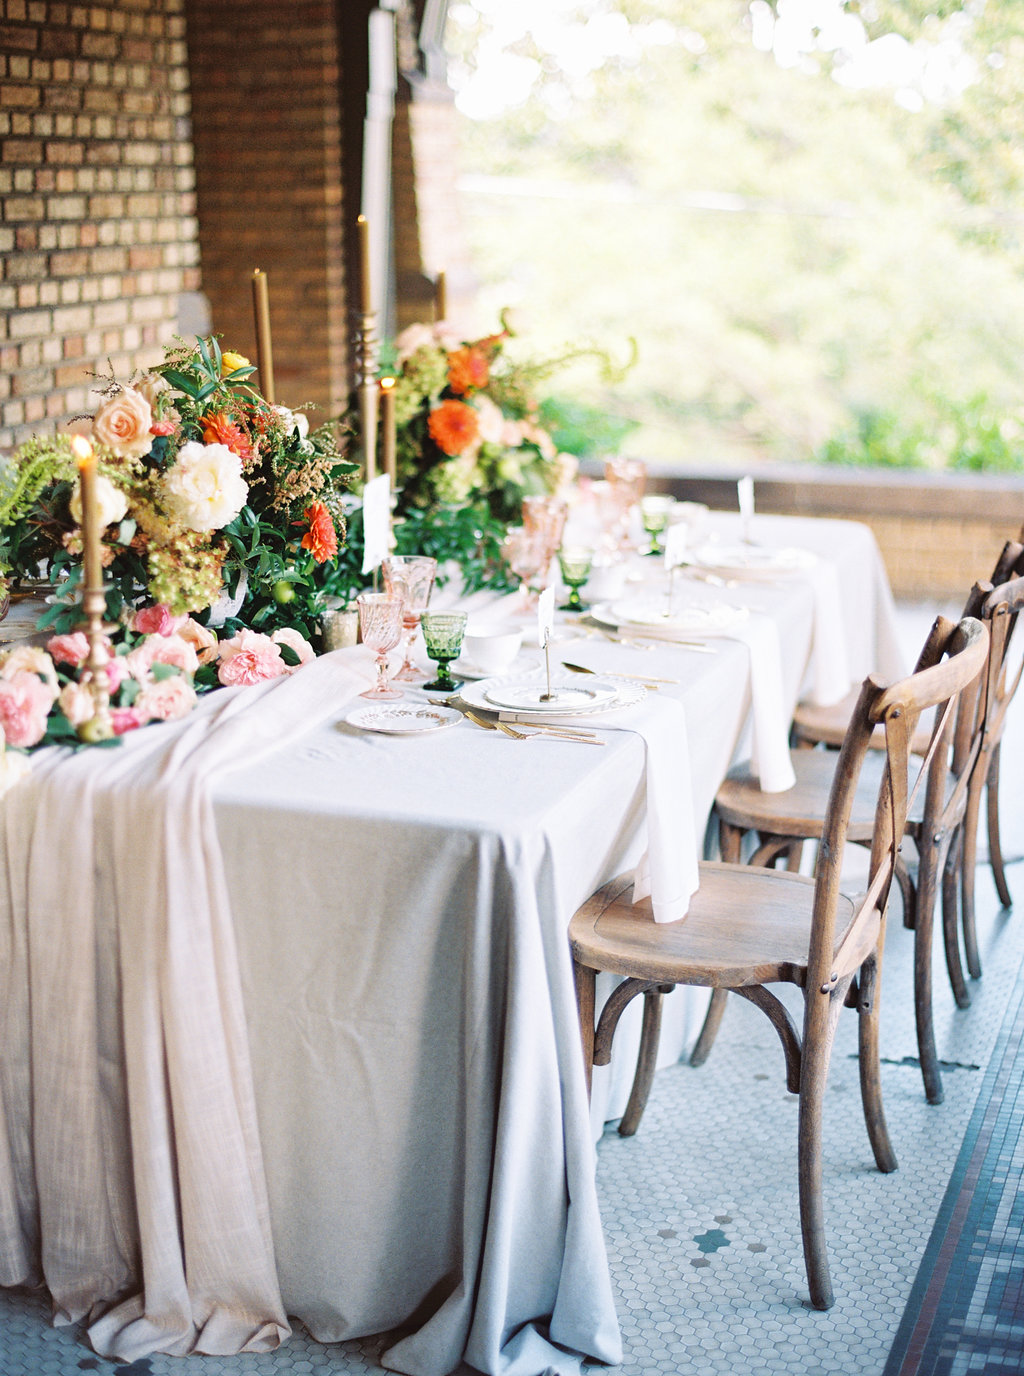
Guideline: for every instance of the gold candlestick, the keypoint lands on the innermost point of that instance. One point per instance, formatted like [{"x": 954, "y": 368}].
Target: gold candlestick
[
  {"x": 366, "y": 355},
  {"x": 441, "y": 296},
  {"x": 94, "y": 598},
  {"x": 365, "y": 292},
  {"x": 264, "y": 351},
  {"x": 387, "y": 422}
]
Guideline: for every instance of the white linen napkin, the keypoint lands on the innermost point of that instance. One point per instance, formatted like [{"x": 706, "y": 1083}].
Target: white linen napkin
[
  {"x": 166, "y": 1202},
  {"x": 769, "y": 753},
  {"x": 668, "y": 869}
]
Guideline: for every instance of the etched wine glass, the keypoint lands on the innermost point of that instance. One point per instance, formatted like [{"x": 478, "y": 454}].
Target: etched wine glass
[
  {"x": 655, "y": 511},
  {"x": 380, "y": 624},
  {"x": 442, "y": 635},
  {"x": 412, "y": 576},
  {"x": 526, "y": 554}
]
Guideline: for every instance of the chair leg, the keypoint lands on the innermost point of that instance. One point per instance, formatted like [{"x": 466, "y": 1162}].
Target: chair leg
[
  {"x": 968, "y": 870},
  {"x": 952, "y": 882},
  {"x": 712, "y": 1022},
  {"x": 645, "y": 1064},
  {"x": 870, "y": 1078},
  {"x": 995, "y": 848},
  {"x": 819, "y": 1028},
  {"x": 586, "y": 997},
  {"x": 923, "y": 971}
]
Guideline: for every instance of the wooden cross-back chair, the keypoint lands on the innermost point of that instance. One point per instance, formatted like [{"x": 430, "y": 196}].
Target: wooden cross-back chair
[
  {"x": 783, "y": 821},
  {"x": 749, "y": 928},
  {"x": 817, "y": 725},
  {"x": 1000, "y": 610}
]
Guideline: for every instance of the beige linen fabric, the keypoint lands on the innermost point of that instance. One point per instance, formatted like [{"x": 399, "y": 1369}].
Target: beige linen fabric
[{"x": 163, "y": 1244}]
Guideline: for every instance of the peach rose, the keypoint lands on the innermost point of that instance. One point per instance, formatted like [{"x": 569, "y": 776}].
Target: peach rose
[
  {"x": 248, "y": 658},
  {"x": 160, "y": 649},
  {"x": 25, "y": 702},
  {"x": 76, "y": 703},
  {"x": 202, "y": 640},
  {"x": 32, "y": 659},
  {"x": 167, "y": 700},
  {"x": 150, "y": 387},
  {"x": 122, "y": 424},
  {"x": 126, "y": 719}
]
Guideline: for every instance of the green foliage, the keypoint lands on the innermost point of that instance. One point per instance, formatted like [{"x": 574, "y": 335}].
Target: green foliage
[
  {"x": 586, "y": 431},
  {"x": 971, "y": 437},
  {"x": 792, "y": 254}
]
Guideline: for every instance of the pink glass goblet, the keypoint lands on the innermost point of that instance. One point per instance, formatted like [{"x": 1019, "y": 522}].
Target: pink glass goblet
[
  {"x": 380, "y": 624},
  {"x": 525, "y": 553},
  {"x": 412, "y": 577}
]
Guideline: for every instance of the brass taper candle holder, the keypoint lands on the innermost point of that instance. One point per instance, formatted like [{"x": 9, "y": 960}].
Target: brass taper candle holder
[
  {"x": 94, "y": 677},
  {"x": 366, "y": 355}
]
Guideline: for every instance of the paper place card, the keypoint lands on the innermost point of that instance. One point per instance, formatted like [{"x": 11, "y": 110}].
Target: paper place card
[
  {"x": 676, "y": 540},
  {"x": 376, "y": 521},
  {"x": 745, "y": 492},
  {"x": 545, "y": 616}
]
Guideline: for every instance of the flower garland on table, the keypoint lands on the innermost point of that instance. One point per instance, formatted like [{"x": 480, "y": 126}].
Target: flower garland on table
[
  {"x": 203, "y": 487},
  {"x": 467, "y": 424},
  {"x": 157, "y": 667}
]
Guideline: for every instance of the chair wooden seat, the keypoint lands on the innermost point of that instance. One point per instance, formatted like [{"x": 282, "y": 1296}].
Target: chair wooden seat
[
  {"x": 749, "y": 928},
  {"x": 745, "y": 926}
]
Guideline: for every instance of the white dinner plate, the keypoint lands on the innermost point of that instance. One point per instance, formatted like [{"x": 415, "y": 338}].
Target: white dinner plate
[
  {"x": 528, "y": 692},
  {"x": 695, "y": 618},
  {"x": 402, "y": 719},
  {"x": 753, "y": 561},
  {"x": 624, "y": 695}
]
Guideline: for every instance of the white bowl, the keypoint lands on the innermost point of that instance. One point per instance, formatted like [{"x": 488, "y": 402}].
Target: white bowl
[{"x": 492, "y": 646}]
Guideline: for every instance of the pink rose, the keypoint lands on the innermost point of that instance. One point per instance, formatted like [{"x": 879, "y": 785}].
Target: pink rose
[
  {"x": 160, "y": 649},
  {"x": 167, "y": 700},
  {"x": 126, "y": 719},
  {"x": 156, "y": 620},
  {"x": 70, "y": 649},
  {"x": 202, "y": 640},
  {"x": 248, "y": 658},
  {"x": 117, "y": 672},
  {"x": 25, "y": 702},
  {"x": 296, "y": 642}
]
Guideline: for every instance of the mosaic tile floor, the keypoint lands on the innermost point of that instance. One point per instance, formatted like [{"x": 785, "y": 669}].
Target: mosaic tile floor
[{"x": 700, "y": 1207}]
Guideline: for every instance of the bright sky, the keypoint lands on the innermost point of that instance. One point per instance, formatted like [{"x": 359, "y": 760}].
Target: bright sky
[{"x": 579, "y": 36}]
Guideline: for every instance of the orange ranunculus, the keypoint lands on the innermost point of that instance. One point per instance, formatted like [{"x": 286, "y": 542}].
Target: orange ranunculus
[
  {"x": 468, "y": 370},
  {"x": 219, "y": 428},
  {"x": 453, "y": 427},
  {"x": 321, "y": 538}
]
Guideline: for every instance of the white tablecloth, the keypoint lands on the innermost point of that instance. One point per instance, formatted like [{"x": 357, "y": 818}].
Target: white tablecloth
[{"x": 399, "y": 910}]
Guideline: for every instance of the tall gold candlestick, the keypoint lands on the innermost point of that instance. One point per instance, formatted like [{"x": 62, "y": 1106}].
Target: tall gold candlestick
[
  {"x": 94, "y": 599},
  {"x": 264, "y": 351},
  {"x": 387, "y": 424},
  {"x": 441, "y": 296}
]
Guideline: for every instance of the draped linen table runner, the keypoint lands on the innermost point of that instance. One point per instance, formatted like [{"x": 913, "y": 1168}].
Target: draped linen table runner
[{"x": 148, "y": 1191}]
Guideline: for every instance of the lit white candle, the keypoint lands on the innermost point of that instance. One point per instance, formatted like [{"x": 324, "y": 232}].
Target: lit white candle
[{"x": 92, "y": 558}]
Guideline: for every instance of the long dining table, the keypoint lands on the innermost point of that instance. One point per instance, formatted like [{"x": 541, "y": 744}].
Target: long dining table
[{"x": 287, "y": 1017}]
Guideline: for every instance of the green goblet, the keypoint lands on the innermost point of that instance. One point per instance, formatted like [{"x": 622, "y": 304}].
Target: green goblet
[
  {"x": 442, "y": 635},
  {"x": 654, "y": 514},
  {"x": 575, "y": 562}
]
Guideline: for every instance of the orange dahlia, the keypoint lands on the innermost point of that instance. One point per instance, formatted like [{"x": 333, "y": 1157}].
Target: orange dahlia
[
  {"x": 468, "y": 370},
  {"x": 453, "y": 427},
  {"x": 321, "y": 538},
  {"x": 219, "y": 428}
]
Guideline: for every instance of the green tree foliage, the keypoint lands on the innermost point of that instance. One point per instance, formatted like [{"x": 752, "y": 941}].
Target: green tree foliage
[{"x": 793, "y": 249}]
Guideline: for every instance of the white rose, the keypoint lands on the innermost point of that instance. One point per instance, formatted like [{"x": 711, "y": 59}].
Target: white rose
[
  {"x": 294, "y": 421},
  {"x": 413, "y": 337},
  {"x": 205, "y": 488},
  {"x": 77, "y": 703},
  {"x": 110, "y": 501},
  {"x": 13, "y": 768}
]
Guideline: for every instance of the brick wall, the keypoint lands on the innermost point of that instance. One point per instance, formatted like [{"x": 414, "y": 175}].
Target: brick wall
[
  {"x": 97, "y": 226},
  {"x": 267, "y": 135}
]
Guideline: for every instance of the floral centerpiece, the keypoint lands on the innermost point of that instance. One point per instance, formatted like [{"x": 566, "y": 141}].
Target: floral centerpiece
[
  {"x": 205, "y": 490},
  {"x": 467, "y": 423}
]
